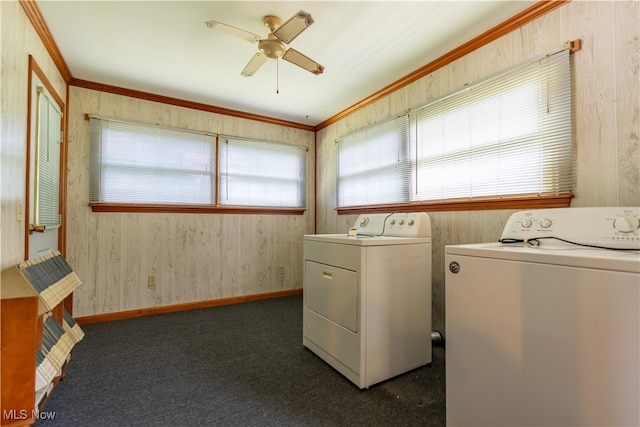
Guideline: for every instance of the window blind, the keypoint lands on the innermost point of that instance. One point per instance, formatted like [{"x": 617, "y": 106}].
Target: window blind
[
  {"x": 138, "y": 163},
  {"x": 260, "y": 173},
  {"x": 47, "y": 180},
  {"x": 372, "y": 166},
  {"x": 510, "y": 134}
]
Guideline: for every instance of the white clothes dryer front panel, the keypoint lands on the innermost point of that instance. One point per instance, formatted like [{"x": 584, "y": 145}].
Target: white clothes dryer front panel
[{"x": 367, "y": 299}]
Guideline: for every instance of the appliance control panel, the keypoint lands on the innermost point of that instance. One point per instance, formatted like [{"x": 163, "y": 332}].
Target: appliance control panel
[
  {"x": 611, "y": 227},
  {"x": 410, "y": 224}
]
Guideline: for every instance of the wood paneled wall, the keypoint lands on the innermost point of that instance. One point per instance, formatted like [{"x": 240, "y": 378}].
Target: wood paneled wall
[
  {"x": 198, "y": 257},
  {"x": 195, "y": 257},
  {"x": 18, "y": 41},
  {"x": 607, "y": 128}
]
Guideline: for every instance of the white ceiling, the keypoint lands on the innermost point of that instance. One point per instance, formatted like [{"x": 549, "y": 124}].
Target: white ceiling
[{"x": 164, "y": 47}]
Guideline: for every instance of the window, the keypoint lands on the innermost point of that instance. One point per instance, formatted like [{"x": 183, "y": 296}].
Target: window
[
  {"x": 141, "y": 164},
  {"x": 372, "y": 165},
  {"x": 138, "y": 163},
  {"x": 47, "y": 156},
  {"x": 258, "y": 173},
  {"x": 507, "y": 135}
]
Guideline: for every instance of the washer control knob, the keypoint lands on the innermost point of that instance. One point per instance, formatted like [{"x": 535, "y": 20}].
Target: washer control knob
[
  {"x": 545, "y": 223},
  {"x": 364, "y": 222},
  {"x": 527, "y": 223},
  {"x": 411, "y": 222},
  {"x": 626, "y": 224},
  {"x": 401, "y": 222},
  {"x": 393, "y": 222}
]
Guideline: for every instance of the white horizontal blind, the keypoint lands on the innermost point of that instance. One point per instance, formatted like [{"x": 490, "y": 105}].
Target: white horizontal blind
[
  {"x": 138, "y": 163},
  {"x": 507, "y": 135},
  {"x": 47, "y": 185},
  {"x": 259, "y": 173},
  {"x": 372, "y": 165}
]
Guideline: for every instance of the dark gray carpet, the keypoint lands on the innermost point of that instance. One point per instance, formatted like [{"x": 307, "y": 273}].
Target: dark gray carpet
[{"x": 236, "y": 365}]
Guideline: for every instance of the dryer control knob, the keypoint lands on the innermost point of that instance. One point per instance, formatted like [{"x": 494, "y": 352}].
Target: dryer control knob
[
  {"x": 527, "y": 223},
  {"x": 626, "y": 224},
  {"x": 411, "y": 222},
  {"x": 545, "y": 223}
]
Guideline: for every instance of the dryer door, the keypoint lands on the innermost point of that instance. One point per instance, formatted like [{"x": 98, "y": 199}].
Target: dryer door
[{"x": 332, "y": 292}]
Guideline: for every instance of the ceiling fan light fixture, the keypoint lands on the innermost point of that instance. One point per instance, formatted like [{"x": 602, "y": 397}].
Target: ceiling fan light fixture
[{"x": 271, "y": 48}]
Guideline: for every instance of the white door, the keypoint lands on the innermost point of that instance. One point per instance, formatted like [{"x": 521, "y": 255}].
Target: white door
[{"x": 44, "y": 171}]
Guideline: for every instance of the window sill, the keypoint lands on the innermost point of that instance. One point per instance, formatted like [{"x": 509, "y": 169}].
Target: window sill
[
  {"x": 521, "y": 202},
  {"x": 126, "y": 207}
]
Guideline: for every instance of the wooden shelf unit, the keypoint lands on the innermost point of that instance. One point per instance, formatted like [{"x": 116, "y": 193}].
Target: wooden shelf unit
[{"x": 24, "y": 332}]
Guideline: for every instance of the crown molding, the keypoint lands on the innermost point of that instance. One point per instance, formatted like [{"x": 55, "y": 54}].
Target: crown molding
[
  {"x": 186, "y": 104},
  {"x": 33, "y": 13}
]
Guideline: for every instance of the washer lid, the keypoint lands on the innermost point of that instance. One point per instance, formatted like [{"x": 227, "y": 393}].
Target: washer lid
[{"x": 572, "y": 256}]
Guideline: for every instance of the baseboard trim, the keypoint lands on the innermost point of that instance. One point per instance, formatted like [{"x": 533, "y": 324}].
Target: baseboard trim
[{"x": 129, "y": 314}]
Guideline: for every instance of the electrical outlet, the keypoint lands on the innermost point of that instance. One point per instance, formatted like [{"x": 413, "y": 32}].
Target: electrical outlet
[
  {"x": 281, "y": 270},
  {"x": 151, "y": 281}
]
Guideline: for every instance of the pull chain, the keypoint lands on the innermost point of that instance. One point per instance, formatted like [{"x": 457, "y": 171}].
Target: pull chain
[{"x": 278, "y": 75}]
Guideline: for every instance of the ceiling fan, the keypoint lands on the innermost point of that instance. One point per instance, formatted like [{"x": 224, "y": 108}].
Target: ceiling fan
[{"x": 274, "y": 46}]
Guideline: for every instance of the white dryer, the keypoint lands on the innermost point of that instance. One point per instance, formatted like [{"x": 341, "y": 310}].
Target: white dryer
[
  {"x": 367, "y": 297},
  {"x": 542, "y": 331}
]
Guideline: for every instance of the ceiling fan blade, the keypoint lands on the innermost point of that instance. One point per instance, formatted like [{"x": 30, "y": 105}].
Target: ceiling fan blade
[
  {"x": 303, "y": 61},
  {"x": 246, "y": 35},
  {"x": 254, "y": 64},
  {"x": 294, "y": 26}
]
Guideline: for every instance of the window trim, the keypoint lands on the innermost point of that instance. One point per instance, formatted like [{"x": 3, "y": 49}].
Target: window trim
[
  {"x": 193, "y": 209},
  {"x": 493, "y": 203}
]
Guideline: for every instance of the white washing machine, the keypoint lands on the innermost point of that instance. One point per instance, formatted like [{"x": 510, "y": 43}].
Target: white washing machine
[
  {"x": 540, "y": 331},
  {"x": 367, "y": 297}
]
